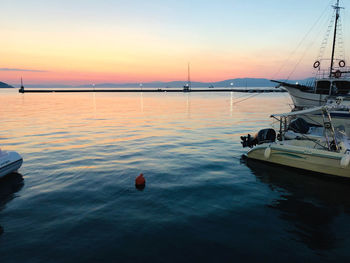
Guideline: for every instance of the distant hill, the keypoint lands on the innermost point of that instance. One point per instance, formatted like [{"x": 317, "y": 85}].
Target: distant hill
[
  {"x": 237, "y": 83},
  {"x": 5, "y": 86},
  {"x": 245, "y": 82}
]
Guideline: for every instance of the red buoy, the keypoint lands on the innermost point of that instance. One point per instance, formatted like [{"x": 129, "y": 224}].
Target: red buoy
[{"x": 140, "y": 182}]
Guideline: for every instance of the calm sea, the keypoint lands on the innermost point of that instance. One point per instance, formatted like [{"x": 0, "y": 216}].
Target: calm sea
[{"x": 75, "y": 200}]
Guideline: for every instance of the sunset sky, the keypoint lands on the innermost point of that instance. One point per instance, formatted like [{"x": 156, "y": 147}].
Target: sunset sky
[{"x": 95, "y": 41}]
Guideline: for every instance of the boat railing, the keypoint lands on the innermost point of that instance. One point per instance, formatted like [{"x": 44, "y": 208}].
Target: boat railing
[{"x": 344, "y": 73}]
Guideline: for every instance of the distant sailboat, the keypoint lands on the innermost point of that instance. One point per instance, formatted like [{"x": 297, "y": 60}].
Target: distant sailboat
[
  {"x": 21, "y": 90},
  {"x": 187, "y": 87}
]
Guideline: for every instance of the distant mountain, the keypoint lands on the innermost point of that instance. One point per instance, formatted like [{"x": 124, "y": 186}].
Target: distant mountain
[
  {"x": 238, "y": 82},
  {"x": 5, "y": 86},
  {"x": 154, "y": 84},
  {"x": 229, "y": 83},
  {"x": 245, "y": 82}
]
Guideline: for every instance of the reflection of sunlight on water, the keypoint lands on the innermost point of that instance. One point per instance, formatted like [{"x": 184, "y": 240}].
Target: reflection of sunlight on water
[
  {"x": 94, "y": 104},
  {"x": 231, "y": 104},
  {"x": 188, "y": 105},
  {"x": 141, "y": 101},
  {"x": 81, "y": 158},
  {"x": 66, "y": 121}
]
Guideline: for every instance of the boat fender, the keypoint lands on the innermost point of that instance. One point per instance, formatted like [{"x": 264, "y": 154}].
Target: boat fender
[
  {"x": 341, "y": 63},
  {"x": 267, "y": 153},
  {"x": 345, "y": 161}
]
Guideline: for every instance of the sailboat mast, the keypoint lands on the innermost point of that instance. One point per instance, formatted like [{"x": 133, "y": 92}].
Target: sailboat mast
[
  {"x": 189, "y": 77},
  {"x": 337, "y": 8}
]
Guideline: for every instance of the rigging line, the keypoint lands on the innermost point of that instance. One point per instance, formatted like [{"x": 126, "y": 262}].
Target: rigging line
[
  {"x": 302, "y": 40},
  {"x": 346, "y": 31},
  {"x": 301, "y": 58},
  {"x": 309, "y": 118},
  {"x": 240, "y": 97},
  {"x": 325, "y": 39},
  {"x": 299, "y": 61},
  {"x": 254, "y": 95},
  {"x": 340, "y": 52},
  {"x": 315, "y": 141}
]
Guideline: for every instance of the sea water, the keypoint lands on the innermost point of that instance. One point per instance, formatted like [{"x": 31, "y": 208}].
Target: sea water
[{"x": 74, "y": 199}]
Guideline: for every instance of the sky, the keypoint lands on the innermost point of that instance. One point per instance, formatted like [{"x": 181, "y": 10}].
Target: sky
[{"x": 100, "y": 41}]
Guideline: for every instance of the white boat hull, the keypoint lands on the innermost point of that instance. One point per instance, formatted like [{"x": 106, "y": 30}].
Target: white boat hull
[
  {"x": 310, "y": 159},
  {"x": 9, "y": 162},
  {"x": 303, "y": 99}
]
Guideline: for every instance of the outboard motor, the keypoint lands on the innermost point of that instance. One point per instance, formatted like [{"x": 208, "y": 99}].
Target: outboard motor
[
  {"x": 266, "y": 136},
  {"x": 263, "y": 136},
  {"x": 249, "y": 141}
]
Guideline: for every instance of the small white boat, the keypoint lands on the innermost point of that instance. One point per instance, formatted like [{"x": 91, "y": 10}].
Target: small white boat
[
  {"x": 9, "y": 162},
  {"x": 299, "y": 144}
]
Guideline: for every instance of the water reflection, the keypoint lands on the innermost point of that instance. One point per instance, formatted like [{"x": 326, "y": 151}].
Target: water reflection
[
  {"x": 94, "y": 104},
  {"x": 9, "y": 185},
  {"x": 141, "y": 101},
  {"x": 231, "y": 104},
  {"x": 309, "y": 203},
  {"x": 188, "y": 105}
]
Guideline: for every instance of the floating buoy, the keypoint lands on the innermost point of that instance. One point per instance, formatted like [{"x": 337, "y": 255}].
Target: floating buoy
[{"x": 140, "y": 182}]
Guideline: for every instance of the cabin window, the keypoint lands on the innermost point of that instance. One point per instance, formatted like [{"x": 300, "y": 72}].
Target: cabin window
[
  {"x": 342, "y": 87},
  {"x": 322, "y": 87}
]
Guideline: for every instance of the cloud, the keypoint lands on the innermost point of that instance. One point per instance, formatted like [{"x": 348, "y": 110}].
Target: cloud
[{"x": 20, "y": 69}]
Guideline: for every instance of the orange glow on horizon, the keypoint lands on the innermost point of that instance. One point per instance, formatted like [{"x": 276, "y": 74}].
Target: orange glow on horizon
[
  {"x": 202, "y": 71},
  {"x": 65, "y": 58}
]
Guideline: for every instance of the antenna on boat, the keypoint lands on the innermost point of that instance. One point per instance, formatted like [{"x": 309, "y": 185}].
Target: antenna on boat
[{"x": 337, "y": 8}]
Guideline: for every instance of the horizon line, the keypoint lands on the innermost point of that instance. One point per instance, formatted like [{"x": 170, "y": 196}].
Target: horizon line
[{"x": 149, "y": 82}]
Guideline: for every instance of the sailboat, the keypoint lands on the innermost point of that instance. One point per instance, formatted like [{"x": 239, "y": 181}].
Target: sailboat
[
  {"x": 21, "y": 90},
  {"x": 331, "y": 85},
  {"x": 187, "y": 86}
]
